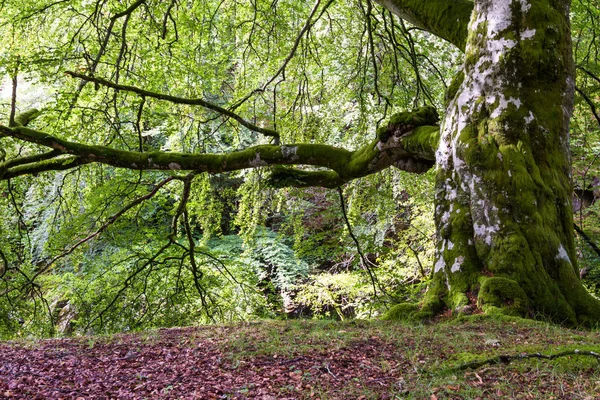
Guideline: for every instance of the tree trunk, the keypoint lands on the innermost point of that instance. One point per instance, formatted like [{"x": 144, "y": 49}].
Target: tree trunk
[{"x": 503, "y": 191}]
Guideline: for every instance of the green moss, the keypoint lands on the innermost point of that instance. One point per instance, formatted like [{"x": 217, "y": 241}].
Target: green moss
[
  {"x": 420, "y": 116},
  {"x": 383, "y": 134},
  {"x": 502, "y": 295},
  {"x": 433, "y": 300},
  {"x": 401, "y": 312},
  {"x": 457, "y": 300},
  {"x": 446, "y": 19},
  {"x": 359, "y": 163},
  {"x": 457, "y": 80},
  {"x": 521, "y": 164},
  {"x": 402, "y": 122},
  {"x": 26, "y": 117},
  {"x": 423, "y": 141}
]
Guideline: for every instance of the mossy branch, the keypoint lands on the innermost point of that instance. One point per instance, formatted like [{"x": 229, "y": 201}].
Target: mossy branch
[
  {"x": 443, "y": 18},
  {"x": 34, "y": 168},
  {"x": 506, "y": 359},
  {"x": 26, "y": 117},
  {"x": 293, "y": 177},
  {"x": 406, "y": 146},
  {"x": 29, "y": 159}
]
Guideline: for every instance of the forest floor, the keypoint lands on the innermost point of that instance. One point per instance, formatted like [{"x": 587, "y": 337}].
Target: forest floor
[{"x": 307, "y": 360}]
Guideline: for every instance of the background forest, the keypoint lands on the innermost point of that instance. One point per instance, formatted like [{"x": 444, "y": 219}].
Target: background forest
[{"x": 97, "y": 249}]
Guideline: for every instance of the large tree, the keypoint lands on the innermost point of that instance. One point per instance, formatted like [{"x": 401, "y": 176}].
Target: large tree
[{"x": 501, "y": 152}]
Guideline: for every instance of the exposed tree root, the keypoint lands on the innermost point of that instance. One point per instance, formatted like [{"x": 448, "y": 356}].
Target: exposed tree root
[{"x": 507, "y": 359}]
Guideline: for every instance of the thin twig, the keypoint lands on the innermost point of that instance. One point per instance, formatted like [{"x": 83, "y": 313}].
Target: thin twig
[
  {"x": 109, "y": 222},
  {"x": 127, "y": 283},
  {"x": 364, "y": 260}
]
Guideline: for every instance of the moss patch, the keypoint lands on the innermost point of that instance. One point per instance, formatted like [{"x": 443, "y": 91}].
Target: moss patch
[
  {"x": 403, "y": 122},
  {"x": 401, "y": 312},
  {"x": 502, "y": 295}
]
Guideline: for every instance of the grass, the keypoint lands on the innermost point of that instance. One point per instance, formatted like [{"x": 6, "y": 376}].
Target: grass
[
  {"x": 432, "y": 352},
  {"x": 377, "y": 359}
]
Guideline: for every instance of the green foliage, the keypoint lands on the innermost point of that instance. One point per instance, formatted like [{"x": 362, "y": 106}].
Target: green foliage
[
  {"x": 268, "y": 257},
  {"x": 338, "y": 296},
  {"x": 256, "y": 250},
  {"x": 585, "y": 140},
  {"x": 134, "y": 271}
]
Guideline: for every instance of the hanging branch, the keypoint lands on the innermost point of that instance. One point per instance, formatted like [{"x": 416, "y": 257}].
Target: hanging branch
[
  {"x": 368, "y": 14},
  {"x": 91, "y": 70},
  {"x": 309, "y": 23},
  {"x": 108, "y": 223},
  {"x": 13, "y": 99},
  {"x": 138, "y": 127},
  {"x": 421, "y": 269},
  {"x": 21, "y": 217},
  {"x": 113, "y": 20},
  {"x": 127, "y": 283},
  {"x": 187, "y": 181},
  {"x": 197, "y": 273},
  {"x": 167, "y": 17},
  {"x": 4, "y": 264},
  {"x": 223, "y": 270},
  {"x": 415, "y": 64},
  {"x": 364, "y": 261}
]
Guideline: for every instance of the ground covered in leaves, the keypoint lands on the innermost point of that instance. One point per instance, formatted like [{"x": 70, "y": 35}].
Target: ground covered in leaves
[{"x": 306, "y": 360}]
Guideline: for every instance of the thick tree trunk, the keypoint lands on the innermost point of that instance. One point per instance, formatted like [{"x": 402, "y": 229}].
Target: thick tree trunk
[{"x": 503, "y": 192}]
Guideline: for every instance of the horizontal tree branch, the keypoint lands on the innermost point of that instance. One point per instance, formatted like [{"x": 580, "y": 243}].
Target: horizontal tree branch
[
  {"x": 293, "y": 177},
  {"x": 34, "y": 168},
  {"x": 176, "y": 100},
  {"x": 407, "y": 142},
  {"x": 446, "y": 19},
  {"x": 28, "y": 159}
]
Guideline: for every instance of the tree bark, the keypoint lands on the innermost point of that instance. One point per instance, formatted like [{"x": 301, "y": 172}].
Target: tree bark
[{"x": 503, "y": 187}]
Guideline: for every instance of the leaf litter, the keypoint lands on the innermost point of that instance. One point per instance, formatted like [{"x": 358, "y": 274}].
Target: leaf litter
[{"x": 278, "y": 360}]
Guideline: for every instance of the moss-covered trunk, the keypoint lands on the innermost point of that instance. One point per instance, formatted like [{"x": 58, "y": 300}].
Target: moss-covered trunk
[{"x": 503, "y": 192}]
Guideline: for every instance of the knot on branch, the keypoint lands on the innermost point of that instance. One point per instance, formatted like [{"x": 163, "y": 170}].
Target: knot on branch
[{"x": 403, "y": 123}]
